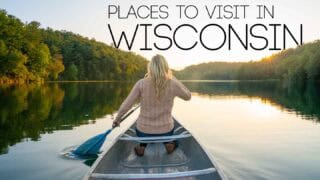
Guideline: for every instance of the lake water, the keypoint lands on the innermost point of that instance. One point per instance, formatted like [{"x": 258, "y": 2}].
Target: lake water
[{"x": 255, "y": 130}]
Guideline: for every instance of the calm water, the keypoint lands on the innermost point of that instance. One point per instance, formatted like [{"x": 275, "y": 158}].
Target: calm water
[{"x": 255, "y": 130}]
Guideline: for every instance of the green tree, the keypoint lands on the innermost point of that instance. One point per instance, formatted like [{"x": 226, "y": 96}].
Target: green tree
[
  {"x": 71, "y": 72},
  {"x": 56, "y": 67}
]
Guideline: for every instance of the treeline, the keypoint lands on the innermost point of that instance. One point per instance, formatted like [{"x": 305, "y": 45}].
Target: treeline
[
  {"x": 29, "y": 53},
  {"x": 211, "y": 70},
  {"x": 293, "y": 65}
]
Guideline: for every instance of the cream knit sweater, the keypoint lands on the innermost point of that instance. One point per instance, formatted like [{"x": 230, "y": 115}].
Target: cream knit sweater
[{"x": 155, "y": 113}]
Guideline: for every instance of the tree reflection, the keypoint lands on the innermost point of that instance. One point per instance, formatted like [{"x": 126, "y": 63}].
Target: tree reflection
[
  {"x": 302, "y": 99},
  {"x": 28, "y": 111}
]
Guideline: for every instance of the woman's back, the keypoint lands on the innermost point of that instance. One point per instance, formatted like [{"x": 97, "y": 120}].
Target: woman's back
[{"x": 155, "y": 115}]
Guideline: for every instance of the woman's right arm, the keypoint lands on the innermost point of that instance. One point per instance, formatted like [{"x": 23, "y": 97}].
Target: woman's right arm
[
  {"x": 180, "y": 90},
  {"x": 128, "y": 102}
]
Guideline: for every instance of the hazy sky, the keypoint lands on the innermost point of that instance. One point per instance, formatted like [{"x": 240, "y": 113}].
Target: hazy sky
[{"x": 89, "y": 18}]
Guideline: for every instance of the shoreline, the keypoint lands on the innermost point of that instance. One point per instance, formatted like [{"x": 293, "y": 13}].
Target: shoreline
[{"x": 132, "y": 81}]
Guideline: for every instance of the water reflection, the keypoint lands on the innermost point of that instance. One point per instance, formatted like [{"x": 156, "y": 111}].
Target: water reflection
[
  {"x": 26, "y": 112},
  {"x": 303, "y": 100},
  {"x": 29, "y": 111}
]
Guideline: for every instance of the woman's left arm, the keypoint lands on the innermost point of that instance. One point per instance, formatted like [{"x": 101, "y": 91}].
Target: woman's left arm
[{"x": 129, "y": 101}]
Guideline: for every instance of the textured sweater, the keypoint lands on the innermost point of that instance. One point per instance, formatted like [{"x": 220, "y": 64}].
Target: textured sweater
[{"x": 155, "y": 113}]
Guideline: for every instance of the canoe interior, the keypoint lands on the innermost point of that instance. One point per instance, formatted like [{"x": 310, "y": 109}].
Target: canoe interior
[{"x": 121, "y": 159}]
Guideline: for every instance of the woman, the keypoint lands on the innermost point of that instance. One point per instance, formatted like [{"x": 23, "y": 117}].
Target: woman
[{"x": 156, "y": 93}]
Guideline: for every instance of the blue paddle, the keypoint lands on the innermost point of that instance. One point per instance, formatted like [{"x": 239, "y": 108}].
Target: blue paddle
[{"x": 92, "y": 146}]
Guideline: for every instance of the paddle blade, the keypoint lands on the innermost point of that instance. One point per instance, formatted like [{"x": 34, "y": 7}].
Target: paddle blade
[{"x": 92, "y": 145}]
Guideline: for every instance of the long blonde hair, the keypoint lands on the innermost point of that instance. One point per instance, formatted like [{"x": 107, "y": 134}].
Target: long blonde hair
[{"x": 159, "y": 72}]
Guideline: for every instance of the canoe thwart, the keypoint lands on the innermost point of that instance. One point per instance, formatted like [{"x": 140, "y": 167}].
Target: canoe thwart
[{"x": 155, "y": 175}]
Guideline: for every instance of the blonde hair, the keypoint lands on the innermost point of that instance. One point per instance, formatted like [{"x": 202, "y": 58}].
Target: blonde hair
[{"x": 159, "y": 72}]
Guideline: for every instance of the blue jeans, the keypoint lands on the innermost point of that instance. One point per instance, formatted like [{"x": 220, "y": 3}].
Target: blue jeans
[{"x": 142, "y": 134}]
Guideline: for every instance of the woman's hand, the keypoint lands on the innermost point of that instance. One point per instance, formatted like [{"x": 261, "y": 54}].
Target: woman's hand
[{"x": 115, "y": 124}]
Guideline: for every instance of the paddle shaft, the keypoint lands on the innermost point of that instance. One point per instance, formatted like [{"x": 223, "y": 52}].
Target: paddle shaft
[{"x": 128, "y": 114}]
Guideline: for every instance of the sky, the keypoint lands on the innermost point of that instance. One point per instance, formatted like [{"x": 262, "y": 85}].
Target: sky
[{"x": 89, "y": 19}]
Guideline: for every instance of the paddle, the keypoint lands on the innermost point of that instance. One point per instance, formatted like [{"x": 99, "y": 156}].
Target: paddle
[{"x": 93, "y": 145}]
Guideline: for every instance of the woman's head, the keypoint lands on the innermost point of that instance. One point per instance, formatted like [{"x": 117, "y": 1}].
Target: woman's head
[
  {"x": 159, "y": 72},
  {"x": 158, "y": 67}
]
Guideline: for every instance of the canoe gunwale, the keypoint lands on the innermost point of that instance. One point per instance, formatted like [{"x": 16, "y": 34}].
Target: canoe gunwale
[{"x": 156, "y": 175}]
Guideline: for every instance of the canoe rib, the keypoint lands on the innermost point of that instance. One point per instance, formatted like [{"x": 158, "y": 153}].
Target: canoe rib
[{"x": 155, "y": 175}]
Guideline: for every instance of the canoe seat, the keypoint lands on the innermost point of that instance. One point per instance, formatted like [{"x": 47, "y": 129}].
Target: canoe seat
[
  {"x": 154, "y": 175},
  {"x": 131, "y": 136},
  {"x": 176, "y": 130},
  {"x": 155, "y": 139}
]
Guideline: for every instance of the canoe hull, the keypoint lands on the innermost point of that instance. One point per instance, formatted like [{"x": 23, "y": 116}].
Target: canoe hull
[{"x": 188, "y": 161}]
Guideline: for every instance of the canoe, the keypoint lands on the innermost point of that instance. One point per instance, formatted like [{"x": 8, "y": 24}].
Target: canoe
[{"x": 189, "y": 161}]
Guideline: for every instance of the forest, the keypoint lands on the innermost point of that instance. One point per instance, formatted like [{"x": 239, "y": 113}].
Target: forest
[
  {"x": 293, "y": 65},
  {"x": 29, "y": 53}
]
